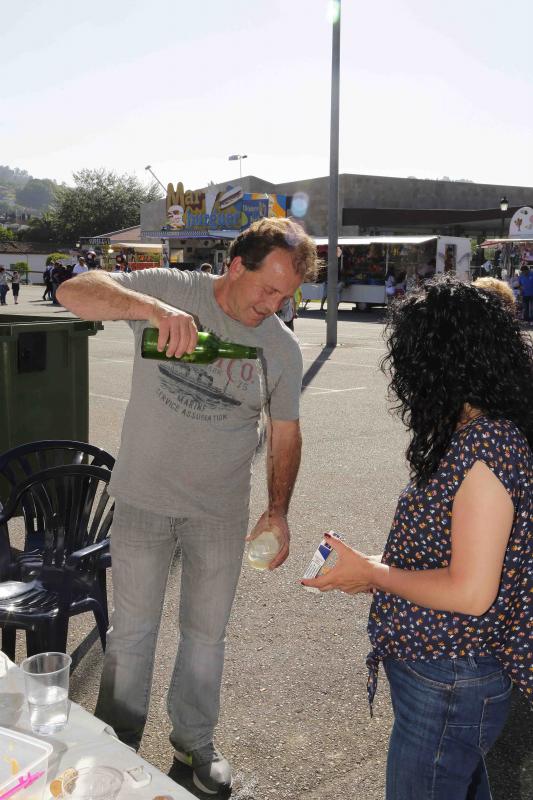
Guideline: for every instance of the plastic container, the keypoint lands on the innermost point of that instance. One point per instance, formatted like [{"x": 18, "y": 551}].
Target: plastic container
[{"x": 23, "y": 766}]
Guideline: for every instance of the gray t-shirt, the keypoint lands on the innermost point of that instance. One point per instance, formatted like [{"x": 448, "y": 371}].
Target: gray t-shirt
[{"x": 190, "y": 431}]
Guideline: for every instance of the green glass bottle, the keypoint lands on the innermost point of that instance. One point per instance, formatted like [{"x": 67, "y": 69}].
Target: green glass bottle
[{"x": 208, "y": 348}]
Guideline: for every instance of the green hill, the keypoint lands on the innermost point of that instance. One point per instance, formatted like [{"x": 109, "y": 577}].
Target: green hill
[{"x": 21, "y": 193}]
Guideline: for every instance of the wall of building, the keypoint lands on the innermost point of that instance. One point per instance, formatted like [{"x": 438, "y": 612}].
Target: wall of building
[{"x": 36, "y": 263}]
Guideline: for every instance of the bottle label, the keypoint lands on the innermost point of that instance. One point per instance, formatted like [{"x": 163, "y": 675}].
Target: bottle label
[
  {"x": 319, "y": 559},
  {"x": 320, "y": 556}
]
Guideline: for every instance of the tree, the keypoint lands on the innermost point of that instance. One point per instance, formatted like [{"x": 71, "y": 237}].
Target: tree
[
  {"x": 16, "y": 177},
  {"x": 53, "y": 257},
  {"x": 38, "y": 194},
  {"x": 100, "y": 201},
  {"x": 6, "y": 235},
  {"x": 40, "y": 229}
]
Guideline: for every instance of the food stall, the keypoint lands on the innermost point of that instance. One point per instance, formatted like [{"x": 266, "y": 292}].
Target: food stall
[
  {"x": 516, "y": 249},
  {"x": 366, "y": 260},
  {"x": 124, "y": 246},
  {"x": 198, "y": 225}
]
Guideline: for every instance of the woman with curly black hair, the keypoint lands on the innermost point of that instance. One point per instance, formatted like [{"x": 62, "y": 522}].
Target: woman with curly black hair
[{"x": 453, "y": 591}]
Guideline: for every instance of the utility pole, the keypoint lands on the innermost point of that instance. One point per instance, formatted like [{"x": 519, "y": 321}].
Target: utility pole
[{"x": 333, "y": 213}]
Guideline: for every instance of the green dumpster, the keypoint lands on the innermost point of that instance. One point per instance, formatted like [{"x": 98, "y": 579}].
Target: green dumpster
[{"x": 44, "y": 378}]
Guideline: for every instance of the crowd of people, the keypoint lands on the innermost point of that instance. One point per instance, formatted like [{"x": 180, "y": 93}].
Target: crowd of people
[
  {"x": 520, "y": 284},
  {"x": 451, "y": 592},
  {"x": 57, "y": 273}
]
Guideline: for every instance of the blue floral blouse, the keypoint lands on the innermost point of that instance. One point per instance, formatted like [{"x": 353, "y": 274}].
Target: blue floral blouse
[{"x": 420, "y": 538}]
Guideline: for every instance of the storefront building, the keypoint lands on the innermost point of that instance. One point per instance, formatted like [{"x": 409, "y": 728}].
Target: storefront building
[
  {"x": 201, "y": 223},
  {"x": 195, "y": 226}
]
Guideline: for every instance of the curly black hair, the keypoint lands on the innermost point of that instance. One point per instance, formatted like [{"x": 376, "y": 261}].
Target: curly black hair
[{"x": 449, "y": 344}]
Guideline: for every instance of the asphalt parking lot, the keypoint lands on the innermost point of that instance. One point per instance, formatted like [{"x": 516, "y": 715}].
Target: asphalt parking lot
[{"x": 295, "y": 720}]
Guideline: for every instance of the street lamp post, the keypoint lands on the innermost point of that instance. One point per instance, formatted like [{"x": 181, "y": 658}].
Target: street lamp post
[
  {"x": 238, "y": 157},
  {"x": 333, "y": 213},
  {"x": 152, "y": 173},
  {"x": 504, "y": 205}
]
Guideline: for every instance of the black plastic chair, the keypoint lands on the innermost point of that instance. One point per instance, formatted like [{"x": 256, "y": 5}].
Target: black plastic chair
[
  {"x": 20, "y": 463},
  {"x": 71, "y": 505}
]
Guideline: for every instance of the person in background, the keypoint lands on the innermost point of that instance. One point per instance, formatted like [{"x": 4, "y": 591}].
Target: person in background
[
  {"x": 526, "y": 290},
  {"x": 4, "y": 287},
  {"x": 15, "y": 285},
  {"x": 514, "y": 283},
  {"x": 451, "y": 610},
  {"x": 401, "y": 284},
  {"x": 59, "y": 275},
  {"x": 340, "y": 281},
  {"x": 206, "y": 268},
  {"x": 500, "y": 288},
  {"x": 92, "y": 262},
  {"x": 47, "y": 280},
  {"x": 390, "y": 286},
  {"x": 79, "y": 267},
  {"x": 426, "y": 271},
  {"x": 182, "y": 476},
  {"x": 121, "y": 263}
]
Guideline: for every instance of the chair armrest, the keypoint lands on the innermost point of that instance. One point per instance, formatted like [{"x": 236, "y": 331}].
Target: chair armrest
[{"x": 75, "y": 559}]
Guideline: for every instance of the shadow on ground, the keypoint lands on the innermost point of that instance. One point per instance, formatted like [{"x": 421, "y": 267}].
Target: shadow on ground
[
  {"x": 182, "y": 775},
  {"x": 376, "y": 316}
]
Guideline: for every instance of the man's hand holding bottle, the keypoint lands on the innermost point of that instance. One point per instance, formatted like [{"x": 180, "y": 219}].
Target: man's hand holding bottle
[{"x": 177, "y": 329}]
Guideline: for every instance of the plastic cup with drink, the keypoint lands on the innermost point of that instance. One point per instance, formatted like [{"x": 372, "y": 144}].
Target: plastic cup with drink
[
  {"x": 46, "y": 679},
  {"x": 263, "y": 549}
]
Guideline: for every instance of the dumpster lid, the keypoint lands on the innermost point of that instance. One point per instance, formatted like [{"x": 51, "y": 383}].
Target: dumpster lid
[{"x": 11, "y": 324}]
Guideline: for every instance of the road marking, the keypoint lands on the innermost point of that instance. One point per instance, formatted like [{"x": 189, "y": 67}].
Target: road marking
[
  {"x": 112, "y": 360},
  {"x": 342, "y": 349},
  {"x": 109, "y": 397},
  {"x": 338, "y": 363},
  {"x": 322, "y": 391},
  {"x": 104, "y": 340}
]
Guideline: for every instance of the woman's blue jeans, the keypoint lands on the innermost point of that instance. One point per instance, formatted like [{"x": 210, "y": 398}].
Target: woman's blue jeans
[{"x": 447, "y": 715}]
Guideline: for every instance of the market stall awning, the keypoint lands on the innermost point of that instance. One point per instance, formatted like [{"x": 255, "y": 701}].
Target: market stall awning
[
  {"x": 138, "y": 245},
  {"x": 346, "y": 240},
  {"x": 189, "y": 234},
  {"x": 390, "y": 217},
  {"x": 513, "y": 240}
]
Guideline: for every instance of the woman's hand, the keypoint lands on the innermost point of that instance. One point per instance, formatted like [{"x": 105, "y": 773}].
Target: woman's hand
[{"x": 351, "y": 573}]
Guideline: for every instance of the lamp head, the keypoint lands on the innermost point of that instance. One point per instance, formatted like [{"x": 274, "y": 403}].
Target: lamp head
[{"x": 504, "y": 204}]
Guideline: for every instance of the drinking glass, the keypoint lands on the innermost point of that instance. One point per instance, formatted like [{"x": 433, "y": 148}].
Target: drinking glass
[{"x": 46, "y": 677}]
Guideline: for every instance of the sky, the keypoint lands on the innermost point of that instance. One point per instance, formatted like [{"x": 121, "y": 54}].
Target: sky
[{"x": 427, "y": 89}]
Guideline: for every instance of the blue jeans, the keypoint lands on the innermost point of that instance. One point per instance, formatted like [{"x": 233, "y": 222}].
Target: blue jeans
[
  {"x": 142, "y": 547},
  {"x": 527, "y": 308},
  {"x": 447, "y": 715}
]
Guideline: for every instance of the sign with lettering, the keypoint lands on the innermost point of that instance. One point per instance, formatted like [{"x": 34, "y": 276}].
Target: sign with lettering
[
  {"x": 521, "y": 225},
  {"x": 214, "y": 210}
]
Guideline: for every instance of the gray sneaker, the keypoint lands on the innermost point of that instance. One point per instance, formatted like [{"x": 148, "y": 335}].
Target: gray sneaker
[{"x": 211, "y": 771}]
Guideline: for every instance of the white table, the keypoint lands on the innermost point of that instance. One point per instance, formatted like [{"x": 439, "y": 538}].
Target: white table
[{"x": 84, "y": 742}]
